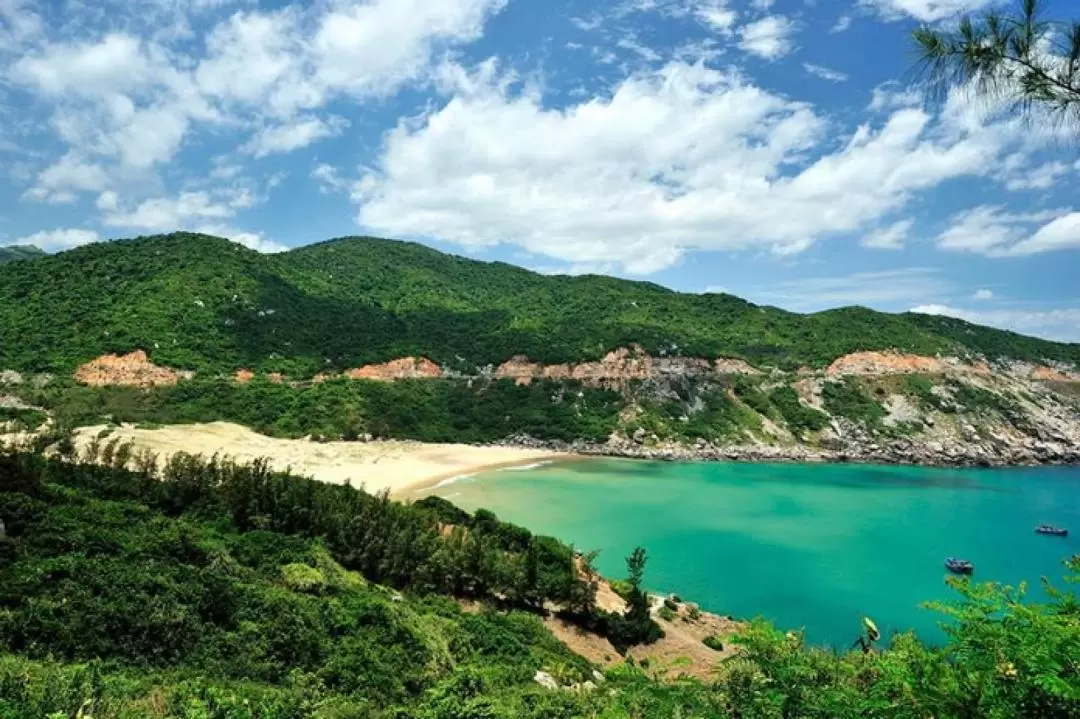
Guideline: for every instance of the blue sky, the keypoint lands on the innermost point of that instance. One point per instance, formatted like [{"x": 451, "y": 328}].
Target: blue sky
[{"x": 773, "y": 149}]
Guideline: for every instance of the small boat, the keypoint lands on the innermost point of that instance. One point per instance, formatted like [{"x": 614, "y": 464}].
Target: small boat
[
  {"x": 959, "y": 566},
  {"x": 1052, "y": 530}
]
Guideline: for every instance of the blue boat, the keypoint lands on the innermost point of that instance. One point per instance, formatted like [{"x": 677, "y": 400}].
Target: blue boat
[
  {"x": 959, "y": 566},
  {"x": 1052, "y": 530}
]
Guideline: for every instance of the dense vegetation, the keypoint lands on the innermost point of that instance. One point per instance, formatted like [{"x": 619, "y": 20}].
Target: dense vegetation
[
  {"x": 225, "y": 591},
  {"x": 200, "y": 302},
  {"x": 427, "y": 410},
  {"x": 18, "y": 252}
]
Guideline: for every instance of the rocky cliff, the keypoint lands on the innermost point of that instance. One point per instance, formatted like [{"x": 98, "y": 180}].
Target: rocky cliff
[{"x": 865, "y": 406}]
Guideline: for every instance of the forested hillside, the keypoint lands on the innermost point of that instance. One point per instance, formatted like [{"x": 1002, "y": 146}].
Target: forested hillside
[
  {"x": 203, "y": 303},
  {"x": 227, "y": 591},
  {"x": 19, "y": 252}
]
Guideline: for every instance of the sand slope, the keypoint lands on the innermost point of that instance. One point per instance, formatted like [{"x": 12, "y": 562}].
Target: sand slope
[{"x": 402, "y": 467}]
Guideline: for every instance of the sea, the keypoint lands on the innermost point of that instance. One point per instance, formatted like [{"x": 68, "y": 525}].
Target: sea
[{"x": 807, "y": 546}]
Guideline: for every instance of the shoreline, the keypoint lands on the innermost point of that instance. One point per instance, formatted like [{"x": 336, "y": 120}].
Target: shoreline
[
  {"x": 420, "y": 488},
  {"x": 409, "y": 469},
  {"x": 899, "y": 452},
  {"x": 404, "y": 468}
]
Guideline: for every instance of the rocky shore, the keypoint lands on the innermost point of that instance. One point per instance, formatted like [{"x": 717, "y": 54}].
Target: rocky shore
[{"x": 989, "y": 452}]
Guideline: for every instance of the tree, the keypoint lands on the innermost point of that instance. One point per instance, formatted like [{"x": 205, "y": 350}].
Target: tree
[
  {"x": 1019, "y": 59},
  {"x": 635, "y": 567}
]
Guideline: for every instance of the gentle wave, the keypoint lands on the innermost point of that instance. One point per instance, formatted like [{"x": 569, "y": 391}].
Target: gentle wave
[
  {"x": 526, "y": 467},
  {"x": 451, "y": 480}
]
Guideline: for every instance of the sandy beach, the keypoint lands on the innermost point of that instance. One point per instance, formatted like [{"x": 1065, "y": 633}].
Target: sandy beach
[{"x": 403, "y": 467}]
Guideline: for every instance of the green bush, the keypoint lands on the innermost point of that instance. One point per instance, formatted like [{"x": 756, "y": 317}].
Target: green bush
[
  {"x": 798, "y": 416},
  {"x": 846, "y": 398},
  {"x": 713, "y": 642}
]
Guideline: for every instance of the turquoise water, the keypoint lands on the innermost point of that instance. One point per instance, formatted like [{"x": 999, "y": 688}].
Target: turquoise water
[{"x": 813, "y": 546}]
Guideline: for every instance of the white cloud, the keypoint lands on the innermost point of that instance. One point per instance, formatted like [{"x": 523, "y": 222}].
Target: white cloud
[
  {"x": 107, "y": 201},
  {"x": 295, "y": 134},
  {"x": 252, "y": 240},
  {"x": 990, "y": 230},
  {"x": 164, "y": 214},
  {"x": 762, "y": 4},
  {"x": 1058, "y": 234},
  {"x": 716, "y": 15},
  {"x": 898, "y": 286},
  {"x": 683, "y": 157},
  {"x": 19, "y": 24},
  {"x": 982, "y": 295},
  {"x": 892, "y": 95},
  {"x": 329, "y": 179},
  {"x": 1062, "y": 324},
  {"x": 769, "y": 38},
  {"x": 58, "y": 240},
  {"x": 925, "y": 10},
  {"x": 1042, "y": 177},
  {"x": 126, "y": 100},
  {"x": 889, "y": 238},
  {"x": 70, "y": 173},
  {"x": 825, "y": 73},
  {"x": 842, "y": 23}
]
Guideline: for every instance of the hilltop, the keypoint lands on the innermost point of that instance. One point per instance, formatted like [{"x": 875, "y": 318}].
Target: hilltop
[
  {"x": 203, "y": 303},
  {"x": 19, "y": 252}
]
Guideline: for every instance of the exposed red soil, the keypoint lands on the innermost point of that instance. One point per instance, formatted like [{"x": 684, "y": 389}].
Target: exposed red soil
[
  {"x": 403, "y": 368},
  {"x": 131, "y": 370}
]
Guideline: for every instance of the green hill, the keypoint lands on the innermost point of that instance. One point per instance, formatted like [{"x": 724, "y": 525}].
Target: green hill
[
  {"x": 200, "y": 302},
  {"x": 19, "y": 252}
]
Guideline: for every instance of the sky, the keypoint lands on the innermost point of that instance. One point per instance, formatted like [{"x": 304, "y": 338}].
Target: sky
[{"x": 778, "y": 150}]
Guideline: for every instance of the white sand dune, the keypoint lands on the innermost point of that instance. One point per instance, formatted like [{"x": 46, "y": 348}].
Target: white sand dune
[{"x": 405, "y": 468}]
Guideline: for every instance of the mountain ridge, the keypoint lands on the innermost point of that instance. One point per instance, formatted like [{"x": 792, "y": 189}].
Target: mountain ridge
[
  {"x": 199, "y": 302},
  {"x": 11, "y": 253}
]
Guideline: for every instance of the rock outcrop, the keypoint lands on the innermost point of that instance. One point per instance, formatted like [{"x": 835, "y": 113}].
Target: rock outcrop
[
  {"x": 618, "y": 367},
  {"x": 404, "y": 368},
  {"x": 131, "y": 370},
  {"x": 876, "y": 363}
]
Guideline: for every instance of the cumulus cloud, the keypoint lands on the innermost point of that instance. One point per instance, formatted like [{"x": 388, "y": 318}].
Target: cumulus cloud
[
  {"x": 125, "y": 101},
  {"x": 684, "y": 157},
  {"x": 825, "y": 73},
  {"x": 167, "y": 214},
  {"x": 1058, "y": 234},
  {"x": 770, "y": 38},
  {"x": 983, "y": 295},
  {"x": 58, "y": 240},
  {"x": 993, "y": 231},
  {"x": 1061, "y": 324},
  {"x": 925, "y": 10},
  {"x": 889, "y": 238},
  {"x": 293, "y": 135},
  {"x": 891, "y": 96},
  {"x": 1042, "y": 177}
]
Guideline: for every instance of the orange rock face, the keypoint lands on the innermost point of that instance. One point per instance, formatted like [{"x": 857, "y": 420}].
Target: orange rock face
[
  {"x": 1050, "y": 374},
  {"x": 620, "y": 365},
  {"x": 519, "y": 369},
  {"x": 726, "y": 365},
  {"x": 886, "y": 363},
  {"x": 132, "y": 370},
  {"x": 243, "y": 376},
  {"x": 404, "y": 368},
  {"x": 276, "y": 377}
]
